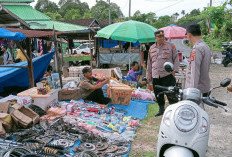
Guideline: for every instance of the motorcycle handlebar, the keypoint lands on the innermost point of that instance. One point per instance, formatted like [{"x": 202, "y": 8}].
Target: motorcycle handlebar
[
  {"x": 219, "y": 102},
  {"x": 209, "y": 102}
]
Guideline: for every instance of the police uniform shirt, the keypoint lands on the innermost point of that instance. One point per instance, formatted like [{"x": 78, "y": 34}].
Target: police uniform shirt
[
  {"x": 157, "y": 56},
  {"x": 197, "y": 74}
]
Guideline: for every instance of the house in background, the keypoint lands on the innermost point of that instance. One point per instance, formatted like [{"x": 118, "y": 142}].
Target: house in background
[
  {"x": 91, "y": 23},
  {"x": 36, "y": 19}
]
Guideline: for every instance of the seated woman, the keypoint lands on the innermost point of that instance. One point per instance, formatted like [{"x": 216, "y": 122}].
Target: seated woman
[
  {"x": 20, "y": 56},
  {"x": 92, "y": 92},
  {"x": 135, "y": 76}
]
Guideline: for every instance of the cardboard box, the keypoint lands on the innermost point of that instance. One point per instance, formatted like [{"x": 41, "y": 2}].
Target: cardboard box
[
  {"x": 66, "y": 95},
  {"x": 4, "y": 107},
  {"x": 2, "y": 130},
  {"x": 6, "y": 121},
  {"x": 43, "y": 101},
  {"x": 105, "y": 72},
  {"x": 24, "y": 116},
  {"x": 120, "y": 94}
]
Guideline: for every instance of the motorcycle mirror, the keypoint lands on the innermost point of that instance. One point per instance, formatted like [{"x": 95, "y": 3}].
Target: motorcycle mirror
[
  {"x": 168, "y": 66},
  {"x": 225, "y": 82}
]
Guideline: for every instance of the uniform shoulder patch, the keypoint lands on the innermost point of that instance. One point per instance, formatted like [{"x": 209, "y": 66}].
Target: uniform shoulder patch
[
  {"x": 193, "y": 55},
  {"x": 173, "y": 47}
]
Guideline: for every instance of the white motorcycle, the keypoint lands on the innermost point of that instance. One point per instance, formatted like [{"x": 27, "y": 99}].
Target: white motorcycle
[{"x": 184, "y": 129}]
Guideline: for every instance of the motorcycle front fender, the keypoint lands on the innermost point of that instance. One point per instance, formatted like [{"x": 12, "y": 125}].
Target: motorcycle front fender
[{"x": 177, "y": 151}]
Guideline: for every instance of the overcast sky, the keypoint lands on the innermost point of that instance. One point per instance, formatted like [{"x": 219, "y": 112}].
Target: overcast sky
[{"x": 160, "y": 7}]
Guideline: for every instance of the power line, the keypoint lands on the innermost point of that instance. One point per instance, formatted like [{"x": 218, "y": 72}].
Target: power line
[
  {"x": 169, "y": 6},
  {"x": 161, "y": 0}
]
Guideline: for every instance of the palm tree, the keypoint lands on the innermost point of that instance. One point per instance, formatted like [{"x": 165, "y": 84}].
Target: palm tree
[{"x": 183, "y": 12}]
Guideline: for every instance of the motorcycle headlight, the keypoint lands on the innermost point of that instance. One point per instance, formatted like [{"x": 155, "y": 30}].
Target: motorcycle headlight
[
  {"x": 167, "y": 117},
  {"x": 186, "y": 118},
  {"x": 204, "y": 126}
]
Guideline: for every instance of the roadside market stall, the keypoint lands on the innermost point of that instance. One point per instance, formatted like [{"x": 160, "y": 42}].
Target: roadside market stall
[
  {"x": 72, "y": 127},
  {"x": 129, "y": 31}
]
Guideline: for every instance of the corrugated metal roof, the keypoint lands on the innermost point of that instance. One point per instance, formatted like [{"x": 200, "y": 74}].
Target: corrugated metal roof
[
  {"x": 59, "y": 26},
  {"x": 26, "y": 12},
  {"x": 16, "y": 1},
  {"x": 33, "y": 33}
]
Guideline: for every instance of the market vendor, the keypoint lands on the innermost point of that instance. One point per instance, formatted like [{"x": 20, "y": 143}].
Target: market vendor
[
  {"x": 93, "y": 92},
  {"x": 20, "y": 56},
  {"x": 134, "y": 74}
]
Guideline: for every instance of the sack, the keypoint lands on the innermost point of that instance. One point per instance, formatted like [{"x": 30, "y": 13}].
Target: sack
[{"x": 67, "y": 95}]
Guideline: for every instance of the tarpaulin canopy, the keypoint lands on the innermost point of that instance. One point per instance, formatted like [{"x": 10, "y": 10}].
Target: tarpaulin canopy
[
  {"x": 4, "y": 33},
  {"x": 19, "y": 77}
]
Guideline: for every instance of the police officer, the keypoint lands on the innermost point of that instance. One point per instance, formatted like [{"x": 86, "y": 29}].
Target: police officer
[
  {"x": 159, "y": 53},
  {"x": 197, "y": 74}
]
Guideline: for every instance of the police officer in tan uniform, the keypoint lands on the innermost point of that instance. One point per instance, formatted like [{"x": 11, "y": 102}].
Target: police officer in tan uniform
[
  {"x": 159, "y": 53},
  {"x": 197, "y": 74}
]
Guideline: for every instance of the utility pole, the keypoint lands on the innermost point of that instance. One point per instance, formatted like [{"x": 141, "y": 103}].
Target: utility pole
[
  {"x": 211, "y": 2},
  {"x": 129, "y": 8},
  {"x": 109, "y": 13}
]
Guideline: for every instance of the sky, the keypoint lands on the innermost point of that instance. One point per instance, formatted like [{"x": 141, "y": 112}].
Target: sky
[{"x": 160, "y": 7}]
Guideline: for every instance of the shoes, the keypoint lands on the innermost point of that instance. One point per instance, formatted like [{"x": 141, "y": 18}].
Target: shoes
[{"x": 160, "y": 113}]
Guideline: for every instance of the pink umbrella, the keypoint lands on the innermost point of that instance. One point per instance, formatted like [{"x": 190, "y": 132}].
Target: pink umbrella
[{"x": 174, "y": 32}]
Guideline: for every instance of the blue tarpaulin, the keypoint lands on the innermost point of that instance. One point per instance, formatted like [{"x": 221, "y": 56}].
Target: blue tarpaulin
[
  {"x": 11, "y": 35},
  {"x": 113, "y": 43},
  {"x": 19, "y": 76}
]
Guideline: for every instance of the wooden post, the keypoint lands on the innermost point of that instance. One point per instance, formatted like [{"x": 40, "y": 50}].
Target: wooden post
[
  {"x": 62, "y": 54},
  {"x": 56, "y": 56},
  {"x": 30, "y": 64},
  {"x": 94, "y": 50},
  {"x": 91, "y": 54}
]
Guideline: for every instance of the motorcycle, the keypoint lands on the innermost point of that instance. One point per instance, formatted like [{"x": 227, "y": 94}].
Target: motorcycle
[
  {"x": 184, "y": 129},
  {"x": 228, "y": 54}
]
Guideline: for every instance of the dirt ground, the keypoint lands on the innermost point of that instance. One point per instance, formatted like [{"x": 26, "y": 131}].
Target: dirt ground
[{"x": 220, "y": 140}]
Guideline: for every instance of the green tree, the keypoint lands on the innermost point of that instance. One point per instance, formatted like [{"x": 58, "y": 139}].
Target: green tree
[
  {"x": 163, "y": 21},
  {"x": 183, "y": 12},
  {"x": 62, "y": 2},
  {"x": 66, "y": 5},
  {"x": 46, "y": 6},
  {"x": 215, "y": 14},
  {"x": 148, "y": 18},
  {"x": 195, "y": 12},
  {"x": 87, "y": 15},
  {"x": 72, "y": 14},
  {"x": 54, "y": 16},
  {"x": 100, "y": 11}
]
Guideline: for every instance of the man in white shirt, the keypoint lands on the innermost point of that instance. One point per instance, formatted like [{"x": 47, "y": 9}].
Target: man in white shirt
[{"x": 7, "y": 58}]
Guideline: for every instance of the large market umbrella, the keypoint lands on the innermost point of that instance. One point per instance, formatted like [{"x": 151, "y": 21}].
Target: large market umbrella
[
  {"x": 11, "y": 35},
  {"x": 174, "y": 32},
  {"x": 131, "y": 31}
]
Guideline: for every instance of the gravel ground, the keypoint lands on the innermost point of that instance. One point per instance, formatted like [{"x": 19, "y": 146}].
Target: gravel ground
[{"x": 220, "y": 139}]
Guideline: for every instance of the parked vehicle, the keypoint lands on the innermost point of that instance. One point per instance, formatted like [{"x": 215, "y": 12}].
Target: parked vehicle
[
  {"x": 184, "y": 129},
  {"x": 83, "y": 48},
  {"x": 228, "y": 54}
]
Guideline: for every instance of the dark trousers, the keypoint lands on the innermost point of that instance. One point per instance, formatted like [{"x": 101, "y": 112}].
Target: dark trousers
[
  {"x": 98, "y": 96},
  {"x": 164, "y": 81}
]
